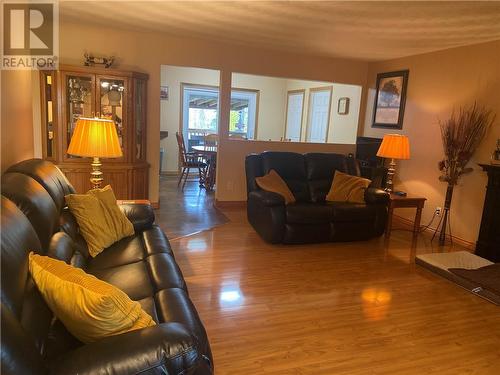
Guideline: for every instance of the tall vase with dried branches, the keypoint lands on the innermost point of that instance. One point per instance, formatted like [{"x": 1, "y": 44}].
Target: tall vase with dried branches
[{"x": 461, "y": 135}]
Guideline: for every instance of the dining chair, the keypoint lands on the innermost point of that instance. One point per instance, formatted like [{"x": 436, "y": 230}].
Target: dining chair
[
  {"x": 188, "y": 161},
  {"x": 211, "y": 140}
]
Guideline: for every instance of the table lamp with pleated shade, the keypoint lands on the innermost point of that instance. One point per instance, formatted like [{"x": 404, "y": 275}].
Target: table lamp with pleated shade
[
  {"x": 393, "y": 146},
  {"x": 95, "y": 138}
]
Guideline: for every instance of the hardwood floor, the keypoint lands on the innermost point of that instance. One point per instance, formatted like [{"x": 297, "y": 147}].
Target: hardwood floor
[
  {"x": 186, "y": 212},
  {"x": 343, "y": 308}
]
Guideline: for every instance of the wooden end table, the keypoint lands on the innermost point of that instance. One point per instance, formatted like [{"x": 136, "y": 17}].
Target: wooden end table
[{"x": 397, "y": 201}]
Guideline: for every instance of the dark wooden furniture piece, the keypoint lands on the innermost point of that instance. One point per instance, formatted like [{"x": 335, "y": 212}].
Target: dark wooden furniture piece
[
  {"x": 189, "y": 160},
  {"x": 72, "y": 92},
  {"x": 488, "y": 243},
  {"x": 396, "y": 201},
  {"x": 209, "y": 153}
]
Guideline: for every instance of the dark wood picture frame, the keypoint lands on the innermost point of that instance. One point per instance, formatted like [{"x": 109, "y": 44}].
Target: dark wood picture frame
[{"x": 398, "y": 97}]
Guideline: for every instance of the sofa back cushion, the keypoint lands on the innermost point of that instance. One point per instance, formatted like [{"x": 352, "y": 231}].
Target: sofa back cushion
[
  {"x": 26, "y": 318},
  {"x": 35, "y": 202},
  {"x": 320, "y": 170},
  {"x": 292, "y": 169},
  {"x": 48, "y": 175}
]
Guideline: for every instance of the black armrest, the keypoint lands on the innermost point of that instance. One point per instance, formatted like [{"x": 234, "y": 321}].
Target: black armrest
[
  {"x": 166, "y": 348},
  {"x": 141, "y": 215},
  {"x": 376, "y": 196},
  {"x": 267, "y": 198}
]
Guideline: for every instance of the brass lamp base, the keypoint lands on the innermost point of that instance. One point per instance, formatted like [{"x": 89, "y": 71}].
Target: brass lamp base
[
  {"x": 96, "y": 174},
  {"x": 391, "y": 171}
]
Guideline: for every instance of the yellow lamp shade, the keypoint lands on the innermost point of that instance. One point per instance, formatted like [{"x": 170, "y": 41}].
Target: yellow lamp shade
[
  {"x": 394, "y": 146},
  {"x": 95, "y": 137}
]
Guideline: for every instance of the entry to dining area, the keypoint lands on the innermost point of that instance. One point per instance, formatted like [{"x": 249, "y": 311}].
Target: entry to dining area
[{"x": 200, "y": 158}]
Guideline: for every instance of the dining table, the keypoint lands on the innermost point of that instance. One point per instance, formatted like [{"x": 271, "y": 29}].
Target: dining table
[{"x": 209, "y": 153}]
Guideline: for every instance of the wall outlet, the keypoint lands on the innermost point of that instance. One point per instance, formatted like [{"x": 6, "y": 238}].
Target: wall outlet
[{"x": 438, "y": 211}]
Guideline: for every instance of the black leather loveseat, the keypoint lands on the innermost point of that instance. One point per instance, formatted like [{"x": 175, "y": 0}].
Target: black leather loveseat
[
  {"x": 34, "y": 218},
  {"x": 310, "y": 219}
]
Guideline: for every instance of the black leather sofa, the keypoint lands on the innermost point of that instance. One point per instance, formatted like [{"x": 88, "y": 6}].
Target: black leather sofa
[
  {"x": 310, "y": 219},
  {"x": 34, "y": 218}
]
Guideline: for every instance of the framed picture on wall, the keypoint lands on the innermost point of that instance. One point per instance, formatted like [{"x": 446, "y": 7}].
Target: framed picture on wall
[
  {"x": 390, "y": 99},
  {"x": 343, "y": 107},
  {"x": 164, "y": 92}
]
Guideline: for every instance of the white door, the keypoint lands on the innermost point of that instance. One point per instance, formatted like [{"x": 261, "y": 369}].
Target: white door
[
  {"x": 294, "y": 115},
  {"x": 318, "y": 115}
]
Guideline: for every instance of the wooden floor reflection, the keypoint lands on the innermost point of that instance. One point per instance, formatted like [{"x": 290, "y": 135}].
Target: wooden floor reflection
[
  {"x": 186, "y": 212},
  {"x": 342, "y": 308}
]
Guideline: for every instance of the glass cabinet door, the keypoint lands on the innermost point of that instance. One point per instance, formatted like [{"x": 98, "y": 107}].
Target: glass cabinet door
[
  {"x": 79, "y": 102},
  {"x": 111, "y": 101},
  {"x": 140, "y": 118},
  {"x": 48, "y": 115}
]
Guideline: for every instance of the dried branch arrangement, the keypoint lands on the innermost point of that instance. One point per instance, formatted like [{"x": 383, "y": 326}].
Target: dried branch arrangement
[{"x": 461, "y": 135}]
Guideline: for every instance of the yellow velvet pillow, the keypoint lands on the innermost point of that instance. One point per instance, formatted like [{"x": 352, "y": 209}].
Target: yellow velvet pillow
[
  {"x": 101, "y": 221},
  {"x": 89, "y": 308},
  {"x": 347, "y": 188},
  {"x": 273, "y": 182}
]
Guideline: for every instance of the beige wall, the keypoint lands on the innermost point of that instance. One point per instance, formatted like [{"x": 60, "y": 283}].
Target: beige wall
[
  {"x": 17, "y": 117},
  {"x": 272, "y": 103},
  {"x": 439, "y": 82},
  {"x": 173, "y": 76},
  {"x": 344, "y": 128},
  {"x": 148, "y": 51}
]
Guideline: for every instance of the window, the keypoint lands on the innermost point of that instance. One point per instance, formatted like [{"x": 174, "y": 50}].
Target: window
[
  {"x": 200, "y": 108},
  {"x": 294, "y": 113},
  {"x": 243, "y": 116},
  {"x": 320, "y": 100}
]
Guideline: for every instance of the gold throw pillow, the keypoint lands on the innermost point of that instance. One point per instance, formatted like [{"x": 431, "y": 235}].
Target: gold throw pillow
[
  {"x": 347, "y": 188},
  {"x": 274, "y": 183},
  {"x": 89, "y": 308},
  {"x": 101, "y": 221}
]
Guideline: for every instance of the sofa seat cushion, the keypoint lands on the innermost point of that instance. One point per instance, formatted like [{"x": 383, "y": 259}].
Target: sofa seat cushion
[
  {"x": 309, "y": 213},
  {"x": 142, "y": 279},
  {"x": 127, "y": 250},
  {"x": 132, "y": 278},
  {"x": 132, "y": 249},
  {"x": 347, "y": 211},
  {"x": 174, "y": 305}
]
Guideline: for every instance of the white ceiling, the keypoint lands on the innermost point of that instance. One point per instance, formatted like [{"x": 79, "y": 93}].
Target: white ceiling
[{"x": 368, "y": 30}]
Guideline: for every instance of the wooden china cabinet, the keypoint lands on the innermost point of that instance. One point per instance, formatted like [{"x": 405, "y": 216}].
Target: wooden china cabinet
[{"x": 72, "y": 92}]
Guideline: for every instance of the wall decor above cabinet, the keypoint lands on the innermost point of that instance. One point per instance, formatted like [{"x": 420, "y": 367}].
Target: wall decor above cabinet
[
  {"x": 73, "y": 92},
  {"x": 91, "y": 60}
]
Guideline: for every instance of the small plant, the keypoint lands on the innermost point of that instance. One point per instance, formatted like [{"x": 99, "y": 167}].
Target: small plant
[{"x": 461, "y": 135}]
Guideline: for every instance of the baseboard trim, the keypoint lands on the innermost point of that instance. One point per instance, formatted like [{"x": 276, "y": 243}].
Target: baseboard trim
[
  {"x": 408, "y": 224},
  {"x": 229, "y": 204}
]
